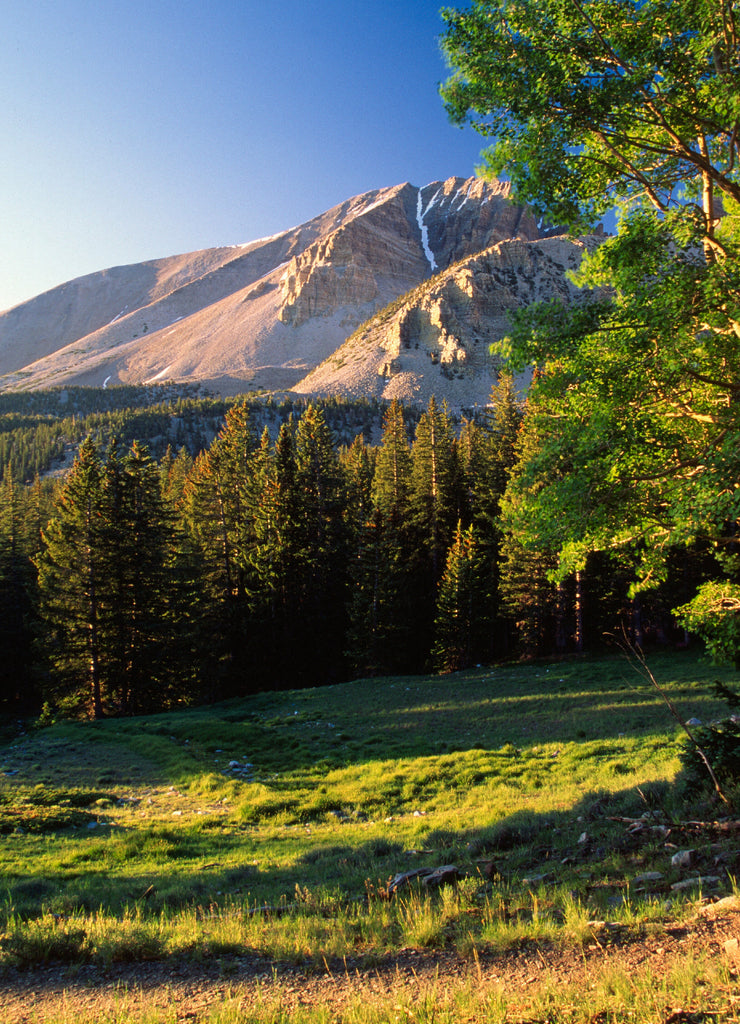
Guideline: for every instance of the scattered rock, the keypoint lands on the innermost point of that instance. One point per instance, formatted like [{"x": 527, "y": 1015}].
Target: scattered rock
[
  {"x": 430, "y": 877},
  {"x": 684, "y": 859},
  {"x": 241, "y": 769},
  {"x": 444, "y": 875},
  {"x": 689, "y": 883},
  {"x": 648, "y": 876},
  {"x": 726, "y": 905},
  {"x": 405, "y": 878}
]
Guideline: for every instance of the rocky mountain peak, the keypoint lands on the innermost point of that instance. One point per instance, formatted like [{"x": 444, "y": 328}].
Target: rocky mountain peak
[{"x": 269, "y": 313}]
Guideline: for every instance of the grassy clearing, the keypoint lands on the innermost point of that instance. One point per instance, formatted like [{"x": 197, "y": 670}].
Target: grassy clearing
[{"x": 274, "y": 823}]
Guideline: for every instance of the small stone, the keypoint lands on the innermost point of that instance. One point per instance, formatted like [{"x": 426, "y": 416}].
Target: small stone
[
  {"x": 583, "y": 838},
  {"x": 683, "y": 859},
  {"x": 648, "y": 876},
  {"x": 405, "y": 878},
  {"x": 689, "y": 883},
  {"x": 732, "y": 947},
  {"x": 694, "y": 721},
  {"x": 723, "y": 906},
  {"x": 442, "y": 876}
]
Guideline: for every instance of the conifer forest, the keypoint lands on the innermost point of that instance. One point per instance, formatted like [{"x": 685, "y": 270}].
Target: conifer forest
[{"x": 193, "y": 549}]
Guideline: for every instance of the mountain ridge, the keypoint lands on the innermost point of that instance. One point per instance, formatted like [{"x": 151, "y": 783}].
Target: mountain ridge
[{"x": 266, "y": 314}]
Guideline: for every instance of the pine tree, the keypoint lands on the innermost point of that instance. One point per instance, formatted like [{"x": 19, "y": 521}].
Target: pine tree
[
  {"x": 174, "y": 471},
  {"x": 218, "y": 515},
  {"x": 381, "y": 603},
  {"x": 321, "y": 549},
  {"x": 16, "y": 596},
  {"x": 537, "y": 606},
  {"x": 433, "y": 479},
  {"x": 460, "y": 606},
  {"x": 489, "y": 463},
  {"x": 357, "y": 464},
  {"x": 108, "y": 588},
  {"x": 74, "y": 583},
  {"x": 392, "y": 477},
  {"x": 142, "y": 538},
  {"x": 383, "y": 606},
  {"x": 273, "y": 581}
]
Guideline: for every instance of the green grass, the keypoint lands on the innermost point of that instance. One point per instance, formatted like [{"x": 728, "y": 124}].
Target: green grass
[{"x": 125, "y": 840}]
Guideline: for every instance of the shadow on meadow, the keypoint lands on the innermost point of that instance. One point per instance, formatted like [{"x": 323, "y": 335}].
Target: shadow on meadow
[
  {"x": 162, "y": 868},
  {"x": 339, "y": 789},
  {"x": 316, "y": 730}
]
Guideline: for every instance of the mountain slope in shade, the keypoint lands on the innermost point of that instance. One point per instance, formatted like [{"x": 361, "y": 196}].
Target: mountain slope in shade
[{"x": 261, "y": 315}]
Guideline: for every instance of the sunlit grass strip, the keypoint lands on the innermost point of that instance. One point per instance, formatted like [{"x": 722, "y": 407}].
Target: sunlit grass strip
[{"x": 322, "y": 926}]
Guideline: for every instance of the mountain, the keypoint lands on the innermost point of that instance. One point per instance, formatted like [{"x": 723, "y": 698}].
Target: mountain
[
  {"x": 275, "y": 313},
  {"x": 436, "y": 340}
]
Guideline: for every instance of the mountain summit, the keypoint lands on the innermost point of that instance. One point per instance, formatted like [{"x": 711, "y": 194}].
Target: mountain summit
[{"x": 275, "y": 313}]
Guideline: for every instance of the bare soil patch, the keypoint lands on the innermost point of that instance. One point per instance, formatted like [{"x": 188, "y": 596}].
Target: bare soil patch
[{"x": 192, "y": 989}]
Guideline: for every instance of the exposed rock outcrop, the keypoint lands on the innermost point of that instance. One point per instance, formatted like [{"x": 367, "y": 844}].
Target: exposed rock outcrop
[{"x": 436, "y": 340}]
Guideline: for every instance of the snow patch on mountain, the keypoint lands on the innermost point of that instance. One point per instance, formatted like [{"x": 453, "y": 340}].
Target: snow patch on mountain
[{"x": 424, "y": 231}]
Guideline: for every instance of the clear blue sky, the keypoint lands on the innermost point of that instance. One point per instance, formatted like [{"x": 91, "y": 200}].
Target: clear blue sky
[{"x": 134, "y": 129}]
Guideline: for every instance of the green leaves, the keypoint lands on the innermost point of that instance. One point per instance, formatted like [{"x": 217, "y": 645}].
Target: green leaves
[{"x": 594, "y": 101}]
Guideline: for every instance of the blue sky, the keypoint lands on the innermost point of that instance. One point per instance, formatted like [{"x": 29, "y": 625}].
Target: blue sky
[{"x": 135, "y": 129}]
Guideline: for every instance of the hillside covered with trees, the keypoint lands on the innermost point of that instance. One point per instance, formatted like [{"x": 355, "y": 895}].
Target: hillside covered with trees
[{"x": 276, "y": 557}]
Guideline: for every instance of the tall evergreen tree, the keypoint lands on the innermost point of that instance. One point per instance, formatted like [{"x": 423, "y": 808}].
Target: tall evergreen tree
[
  {"x": 107, "y": 587},
  {"x": 492, "y": 460},
  {"x": 217, "y": 510},
  {"x": 273, "y": 582},
  {"x": 392, "y": 478},
  {"x": 322, "y": 553},
  {"x": 141, "y": 535},
  {"x": 461, "y": 605},
  {"x": 433, "y": 479},
  {"x": 74, "y": 584},
  {"x": 16, "y": 595},
  {"x": 536, "y": 605},
  {"x": 381, "y": 603}
]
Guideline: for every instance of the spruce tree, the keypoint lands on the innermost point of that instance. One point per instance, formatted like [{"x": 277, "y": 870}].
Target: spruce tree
[
  {"x": 382, "y": 602},
  {"x": 322, "y": 554},
  {"x": 74, "y": 585},
  {"x": 536, "y": 605},
  {"x": 16, "y": 596},
  {"x": 142, "y": 537},
  {"x": 218, "y": 516},
  {"x": 392, "y": 477},
  {"x": 489, "y": 463},
  {"x": 273, "y": 583},
  {"x": 460, "y": 606},
  {"x": 433, "y": 479}
]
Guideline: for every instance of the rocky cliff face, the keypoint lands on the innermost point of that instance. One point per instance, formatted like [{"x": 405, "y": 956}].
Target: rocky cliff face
[
  {"x": 268, "y": 313},
  {"x": 436, "y": 340}
]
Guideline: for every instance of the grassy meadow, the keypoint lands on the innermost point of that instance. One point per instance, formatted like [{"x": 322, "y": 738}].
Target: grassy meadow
[{"x": 273, "y": 824}]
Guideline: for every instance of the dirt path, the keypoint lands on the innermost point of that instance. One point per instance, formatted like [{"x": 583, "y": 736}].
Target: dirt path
[{"x": 191, "y": 990}]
